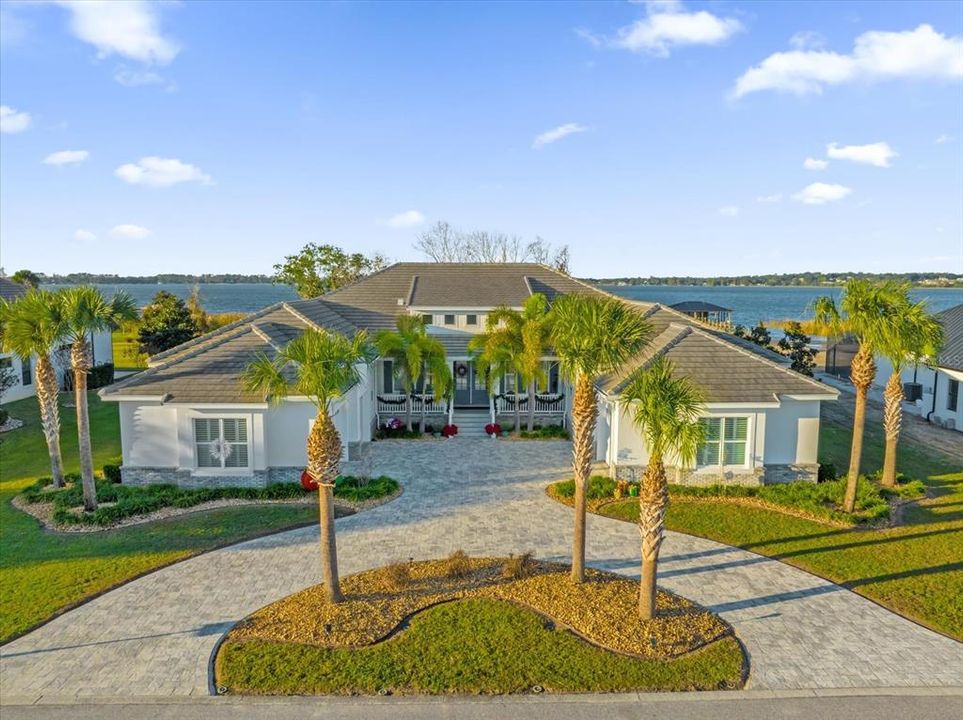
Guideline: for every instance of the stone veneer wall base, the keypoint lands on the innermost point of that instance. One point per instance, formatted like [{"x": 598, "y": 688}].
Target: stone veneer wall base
[{"x": 763, "y": 475}]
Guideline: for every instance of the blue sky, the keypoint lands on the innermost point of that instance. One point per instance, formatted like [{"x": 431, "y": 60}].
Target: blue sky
[{"x": 217, "y": 137}]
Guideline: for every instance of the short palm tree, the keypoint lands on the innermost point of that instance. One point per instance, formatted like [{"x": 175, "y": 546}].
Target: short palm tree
[
  {"x": 911, "y": 335},
  {"x": 666, "y": 409},
  {"x": 493, "y": 360},
  {"x": 593, "y": 336},
  {"x": 413, "y": 351},
  {"x": 499, "y": 352},
  {"x": 33, "y": 325},
  {"x": 862, "y": 312},
  {"x": 86, "y": 311},
  {"x": 322, "y": 367}
]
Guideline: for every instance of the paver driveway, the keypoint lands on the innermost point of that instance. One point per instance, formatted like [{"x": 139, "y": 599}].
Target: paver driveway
[{"x": 155, "y": 635}]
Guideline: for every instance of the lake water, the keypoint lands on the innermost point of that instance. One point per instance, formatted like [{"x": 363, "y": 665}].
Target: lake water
[{"x": 749, "y": 304}]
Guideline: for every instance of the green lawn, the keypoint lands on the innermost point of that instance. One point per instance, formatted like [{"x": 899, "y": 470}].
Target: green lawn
[
  {"x": 42, "y": 573},
  {"x": 469, "y": 646},
  {"x": 915, "y": 569}
]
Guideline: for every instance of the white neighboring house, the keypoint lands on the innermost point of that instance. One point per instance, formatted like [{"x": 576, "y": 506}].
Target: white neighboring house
[
  {"x": 101, "y": 345},
  {"x": 187, "y": 419},
  {"x": 934, "y": 392}
]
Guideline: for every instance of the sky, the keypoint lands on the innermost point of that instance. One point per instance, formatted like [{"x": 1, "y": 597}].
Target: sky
[{"x": 659, "y": 138}]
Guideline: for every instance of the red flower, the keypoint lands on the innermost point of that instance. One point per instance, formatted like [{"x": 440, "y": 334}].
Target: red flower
[
  {"x": 449, "y": 430},
  {"x": 493, "y": 429}
]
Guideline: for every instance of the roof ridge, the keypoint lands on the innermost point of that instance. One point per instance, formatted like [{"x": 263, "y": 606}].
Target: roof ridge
[
  {"x": 193, "y": 342},
  {"x": 760, "y": 358},
  {"x": 311, "y": 323},
  {"x": 357, "y": 281},
  {"x": 264, "y": 335}
]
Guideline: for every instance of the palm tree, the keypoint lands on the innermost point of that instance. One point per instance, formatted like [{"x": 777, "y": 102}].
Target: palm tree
[
  {"x": 86, "y": 311},
  {"x": 493, "y": 360},
  {"x": 911, "y": 334},
  {"x": 593, "y": 336},
  {"x": 33, "y": 325},
  {"x": 862, "y": 311},
  {"x": 322, "y": 367},
  {"x": 499, "y": 352},
  {"x": 413, "y": 351},
  {"x": 666, "y": 410}
]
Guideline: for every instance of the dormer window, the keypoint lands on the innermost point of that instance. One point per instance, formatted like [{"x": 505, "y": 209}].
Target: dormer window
[
  {"x": 428, "y": 318},
  {"x": 449, "y": 319},
  {"x": 471, "y": 319}
]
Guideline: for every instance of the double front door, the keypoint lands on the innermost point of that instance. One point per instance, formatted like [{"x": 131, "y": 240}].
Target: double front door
[{"x": 469, "y": 389}]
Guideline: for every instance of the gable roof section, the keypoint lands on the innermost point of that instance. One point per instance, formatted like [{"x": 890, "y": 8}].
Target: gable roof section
[
  {"x": 724, "y": 372},
  {"x": 951, "y": 356},
  {"x": 9, "y": 290}
]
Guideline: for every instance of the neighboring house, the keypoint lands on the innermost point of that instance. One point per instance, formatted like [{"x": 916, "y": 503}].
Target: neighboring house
[
  {"x": 188, "y": 420},
  {"x": 706, "y": 312},
  {"x": 933, "y": 390},
  {"x": 101, "y": 347}
]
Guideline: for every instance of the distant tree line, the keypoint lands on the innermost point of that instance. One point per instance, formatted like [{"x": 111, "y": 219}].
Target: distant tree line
[
  {"x": 173, "y": 278},
  {"x": 803, "y": 279}
]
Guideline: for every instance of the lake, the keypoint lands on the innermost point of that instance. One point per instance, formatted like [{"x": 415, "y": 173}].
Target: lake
[{"x": 749, "y": 304}]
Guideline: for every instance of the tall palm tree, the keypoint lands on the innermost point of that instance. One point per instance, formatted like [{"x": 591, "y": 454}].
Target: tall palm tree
[
  {"x": 86, "y": 311},
  {"x": 911, "y": 334},
  {"x": 322, "y": 367},
  {"x": 499, "y": 351},
  {"x": 493, "y": 359},
  {"x": 666, "y": 409},
  {"x": 412, "y": 350},
  {"x": 862, "y": 312},
  {"x": 593, "y": 336},
  {"x": 34, "y": 325}
]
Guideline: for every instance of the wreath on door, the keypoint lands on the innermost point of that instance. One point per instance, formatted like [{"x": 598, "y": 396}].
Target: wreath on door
[{"x": 461, "y": 369}]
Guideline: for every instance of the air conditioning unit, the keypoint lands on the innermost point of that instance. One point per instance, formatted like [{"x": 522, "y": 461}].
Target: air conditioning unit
[
  {"x": 912, "y": 391},
  {"x": 949, "y": 423}
]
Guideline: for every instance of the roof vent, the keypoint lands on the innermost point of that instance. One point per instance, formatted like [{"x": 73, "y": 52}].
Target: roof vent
[{"x": 401, "y": 302}]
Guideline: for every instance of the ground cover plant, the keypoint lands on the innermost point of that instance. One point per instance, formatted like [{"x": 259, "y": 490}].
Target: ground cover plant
[
  {"x": 117, "y": 502},
  {"x": 477, "y": 625},
  {"x": 914, "y": 568}
]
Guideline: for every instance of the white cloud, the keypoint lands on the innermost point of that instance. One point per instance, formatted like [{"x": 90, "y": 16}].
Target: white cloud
[
  {"x": 555, "y": 134},
  {"x": 66, "y": 157},
  {"x": 878, "y": 154},
  {"x": 12, "y": 121},
  {"x": 130, "y": 232},
  {"x": 821, "y": 193},
  {"x": 922, "y": 53},
  {"x": 130, "y": 29},
  {"x": 944, "y": 138},
  {"x": 729, "y": 211},
  {"x": 769, "y": 198},
  {"x": 668, "y": 25},
  {"x": 408, "y": 218},
  {"x": 141, "y": 78},
  {"x": 161, "y": 172},
  {"x": 808, "y": 40},
  {"x": 815, "y": 164},
  {"x": 87, "y": 236}
]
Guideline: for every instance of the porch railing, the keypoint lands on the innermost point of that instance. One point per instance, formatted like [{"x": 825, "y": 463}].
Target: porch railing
[
  {"x": 545, "y": 403},
  {"x": 394, "y": 404}
]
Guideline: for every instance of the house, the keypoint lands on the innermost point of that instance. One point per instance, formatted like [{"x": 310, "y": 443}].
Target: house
[
  {"x": 763, "y": 419},
  {"x": 705, "y": 312},
  {"x": 101, "y": 346},
  {"x": 932, "y": 390}
]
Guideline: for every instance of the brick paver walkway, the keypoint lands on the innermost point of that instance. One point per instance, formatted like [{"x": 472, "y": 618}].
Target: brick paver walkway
[{"x": 155, "y": 635}]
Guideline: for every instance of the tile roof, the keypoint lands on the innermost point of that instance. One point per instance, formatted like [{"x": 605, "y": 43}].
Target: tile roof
[
  {"x": 951, "y": 356},
  {"x": 208, "y": 369},
  {"x": 9, "y": 290}
]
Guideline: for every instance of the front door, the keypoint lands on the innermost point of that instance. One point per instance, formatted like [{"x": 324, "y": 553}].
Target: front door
[{"x": 467, "y": 389}]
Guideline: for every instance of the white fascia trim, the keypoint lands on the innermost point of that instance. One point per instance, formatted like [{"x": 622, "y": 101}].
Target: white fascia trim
[
  {"x": 110, "y": 397},
  {"x": 216, "y": 406},
  {"x": 812, "y": 397},
  {"x": 741, "y": 405}
]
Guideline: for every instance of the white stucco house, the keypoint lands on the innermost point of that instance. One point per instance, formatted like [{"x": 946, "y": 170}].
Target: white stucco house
[
  {"x": 180, "y": 415},
  {"x": 932, "y": 389},
  {"x": 24, "y": 368}
]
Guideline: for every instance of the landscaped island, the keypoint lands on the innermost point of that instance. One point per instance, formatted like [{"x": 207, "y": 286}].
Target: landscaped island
[{"x": 478, "y": 625}]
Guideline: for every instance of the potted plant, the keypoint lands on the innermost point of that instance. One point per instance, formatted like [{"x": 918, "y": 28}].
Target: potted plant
[
  {"x": 493, "y": 430},
  {"x": 449, "y": 431},
  {"x": 633, "y": 490}
]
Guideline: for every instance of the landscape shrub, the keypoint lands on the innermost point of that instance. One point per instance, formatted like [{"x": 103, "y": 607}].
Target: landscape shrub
[
  {"x": 546, "y": 432},
  {"x": 458, "y": 565},
  {"x": 519, "y": 566},
  {"x": 117, "y": 501},
  {"x": 112, "y": 473},
  {"x": 100, "y": 375},
  {"x": 4, "y": 416},
  {"x": 827, "y": 471},
  {"x": 599, "y": 488},
  {"x": 397, "y": 575}
]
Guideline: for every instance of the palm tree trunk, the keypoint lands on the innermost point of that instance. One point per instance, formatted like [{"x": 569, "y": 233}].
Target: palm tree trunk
[
  {"x": 653, "y": 502},
  {"x": 892, "y": 424},
  {"x": 48, "y": 395},
  {"x": 408, "y": 407},
  {"x": 324, "y": 459},
  {"x": 518, "y": 406},
  {"x": 531, "y": 405},
  {"x": 80, "y": 360},
  {"x": 862, "y": 372},
  {"x": 584, "y": 414}
]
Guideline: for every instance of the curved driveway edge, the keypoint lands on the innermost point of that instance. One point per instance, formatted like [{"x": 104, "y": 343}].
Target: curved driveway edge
[{"x": 154, "y": 636}]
